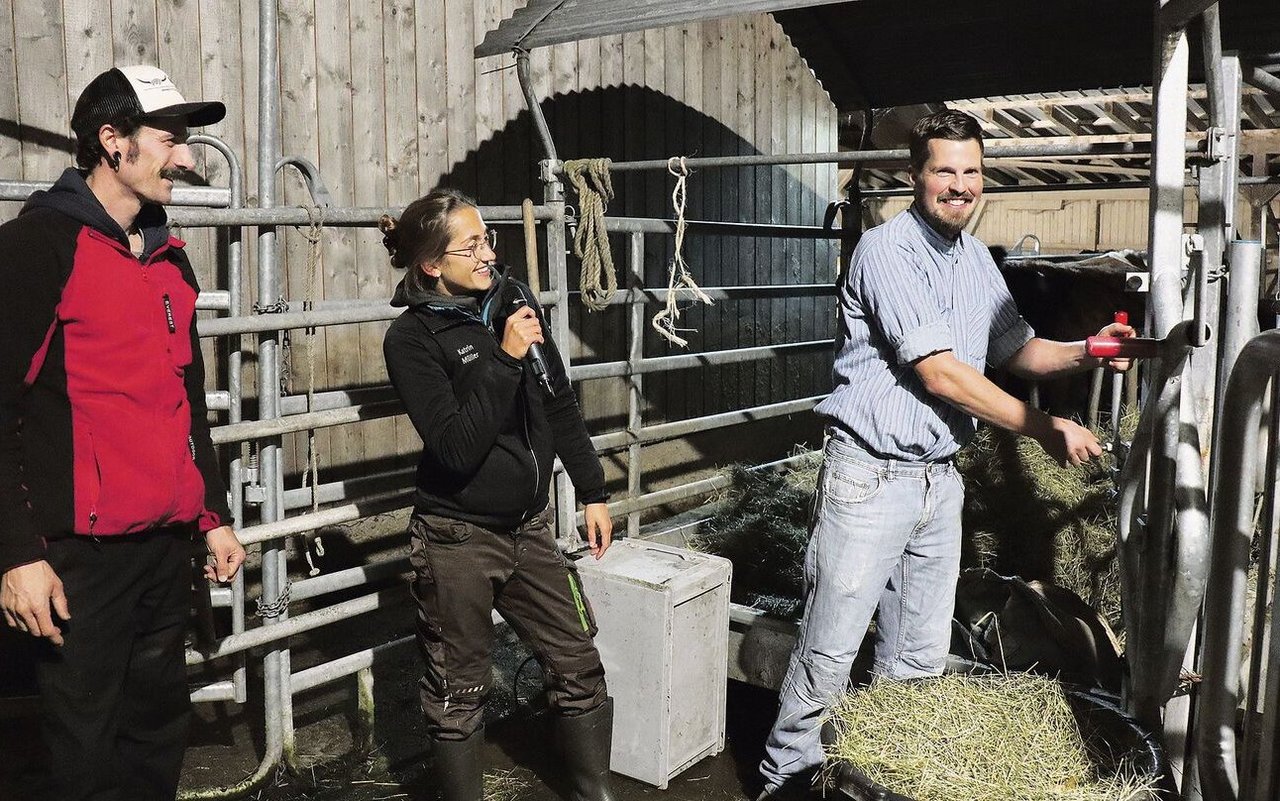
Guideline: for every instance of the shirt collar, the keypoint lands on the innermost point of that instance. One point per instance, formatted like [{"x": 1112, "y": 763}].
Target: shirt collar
[{"x": 936, "y": 240}]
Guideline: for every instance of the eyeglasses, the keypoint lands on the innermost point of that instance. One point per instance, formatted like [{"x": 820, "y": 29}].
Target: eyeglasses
[{"x": 489, "y": 240}]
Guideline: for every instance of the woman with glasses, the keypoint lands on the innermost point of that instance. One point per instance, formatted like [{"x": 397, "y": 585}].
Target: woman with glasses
[{"x": 480, "y": 534}]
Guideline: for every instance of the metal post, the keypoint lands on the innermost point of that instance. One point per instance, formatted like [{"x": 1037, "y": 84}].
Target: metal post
[
  {"x": 1240, "y": 314},
  {"x": 557, "y": 277},
  {"x": 635, "y": 380},
  {"x": 1258, "y": 774},
  {"x": 1216, "y": 217},
  {"x": 1165, "y": 257},
  {"x": 277, "y": 701},
  {"x": 235, "y": 386},
  {"x": 1218, "y": 187},
  {"x": 1229, "y": 565}
]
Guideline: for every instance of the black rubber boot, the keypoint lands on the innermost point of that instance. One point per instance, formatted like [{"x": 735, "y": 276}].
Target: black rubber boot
[
  {"x": 458, "y": 771},
  {"x": 584, "y": 741}
]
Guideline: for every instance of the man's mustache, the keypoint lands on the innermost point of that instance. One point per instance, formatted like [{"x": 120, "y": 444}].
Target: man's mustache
[{"x": 174, "y": 173}]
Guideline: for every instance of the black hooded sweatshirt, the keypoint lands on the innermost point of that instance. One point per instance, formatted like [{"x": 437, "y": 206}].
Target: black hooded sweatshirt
[{"x": 490, "y": 433}]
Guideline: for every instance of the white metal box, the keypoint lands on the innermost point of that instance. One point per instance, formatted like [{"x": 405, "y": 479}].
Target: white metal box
[{"x": 663, "y": 615}]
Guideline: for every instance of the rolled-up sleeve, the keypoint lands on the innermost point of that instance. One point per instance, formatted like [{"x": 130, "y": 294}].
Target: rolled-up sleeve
[
  {"x": 1009, "y": 332},
  {"x": 895, "y": 292}
]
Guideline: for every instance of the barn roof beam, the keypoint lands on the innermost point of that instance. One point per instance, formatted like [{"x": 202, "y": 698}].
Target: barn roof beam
[{"x": 1264, "y": 81}]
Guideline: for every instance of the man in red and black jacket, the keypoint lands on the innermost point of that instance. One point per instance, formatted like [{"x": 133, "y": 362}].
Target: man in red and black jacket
[{"x": 107, "y": 472}]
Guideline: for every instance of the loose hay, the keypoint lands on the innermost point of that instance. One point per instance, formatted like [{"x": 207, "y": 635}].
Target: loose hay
[
  {"x": 1025, "y": 515},
  {"x": 504, "y": 786},
  {"x": 762, "y": 527},
  {"x": 974, "y": 738}
]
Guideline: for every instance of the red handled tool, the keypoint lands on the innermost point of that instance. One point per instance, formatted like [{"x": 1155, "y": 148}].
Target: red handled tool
[{"x": 1122, "y": 347}]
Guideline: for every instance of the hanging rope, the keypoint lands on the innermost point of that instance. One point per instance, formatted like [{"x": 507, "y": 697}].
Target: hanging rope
[
  {"x": 678, "y": 275},
  {"x": 598, "y": 281},
  {"x": 314, "y": 234}
]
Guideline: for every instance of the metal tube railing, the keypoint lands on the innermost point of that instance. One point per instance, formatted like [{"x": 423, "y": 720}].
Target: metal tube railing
[
  {"x": 235, "y": 385},
  {"x": 1118, "y": 145},
  {"x": 1160, "y": 605},
  {"x": 635, "y": 379},
  {"x": 1233, "y": 505},
  {"x": 270, "y": 215},
  {"x": 203, "y": 196}
]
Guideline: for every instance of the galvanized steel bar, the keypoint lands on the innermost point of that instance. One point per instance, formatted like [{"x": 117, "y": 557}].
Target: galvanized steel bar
[
  {"x": 313, "y": 318},
  {"x": 333, "y": 516},
  {"x": 235, "y": 385},
  {"x": 693, "y": 489},
  {"x": 678, "y": 428},
  {"x": 535, "y": 110},
  {"x": 1215, "y": 220},
  {"x": 361, "y": 486},
  {"x": 1258, "y": 774},
  {"x": 659, "y": 294},
  {"x": 203, "y": 196},
  {"x": 650, "y": 225},
  {"x": 1255, "y": 366},
  {"x": 657, "y": 364},
  {"x": 356, "y": 216},
  {"x": 359, "y": 576},
  {"x": 283, "y": 629},
  {"x": 1016, "y": 189},
  {"x": 274, "y": 666},
  {"x": 344, "y": 666},
  {"x": 274, "y": 427},
  {"x": 635, "y": 380},
  {"x": 270, "y": 289},
  {"x": 1240, "y": 315},
  {"x": 994, "y": 150},
  {"x": 1151, "y": 665}
]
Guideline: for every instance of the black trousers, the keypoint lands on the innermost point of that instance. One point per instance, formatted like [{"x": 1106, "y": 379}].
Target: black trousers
[
  {"x": 463, "y": 572},
  {"x": 114, "y": 702}
]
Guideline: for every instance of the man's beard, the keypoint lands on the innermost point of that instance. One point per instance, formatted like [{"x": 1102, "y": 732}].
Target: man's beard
[{"x": 954, "y": 220}]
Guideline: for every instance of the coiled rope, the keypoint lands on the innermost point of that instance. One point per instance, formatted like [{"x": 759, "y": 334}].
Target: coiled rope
[
  {"x": 678, "y": 275},
  {"x": 598, "y": 280}
]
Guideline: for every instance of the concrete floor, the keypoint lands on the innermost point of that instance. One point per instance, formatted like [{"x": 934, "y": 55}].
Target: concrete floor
[{"x": 227, "y": 741}]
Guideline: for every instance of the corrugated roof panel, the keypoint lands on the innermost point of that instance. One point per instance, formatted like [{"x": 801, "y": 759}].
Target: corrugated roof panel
[{"x": 548, "y": 22}]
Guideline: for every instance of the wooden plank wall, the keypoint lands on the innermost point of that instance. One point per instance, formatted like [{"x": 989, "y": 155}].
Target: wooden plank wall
[
  {"x": 387, "y": 100},
  {"x": 1066, "y": 223}
]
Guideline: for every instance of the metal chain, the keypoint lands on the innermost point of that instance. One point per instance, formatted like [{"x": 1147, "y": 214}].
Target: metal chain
[
  {"x": 279, "y": 307},
  {"x": 274, "y": 608}
]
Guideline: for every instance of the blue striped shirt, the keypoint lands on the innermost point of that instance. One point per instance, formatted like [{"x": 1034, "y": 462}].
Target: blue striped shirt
[{"x": 911, "y": 292}]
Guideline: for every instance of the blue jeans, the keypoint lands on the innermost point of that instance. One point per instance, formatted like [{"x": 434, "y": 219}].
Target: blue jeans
[{"x": 885, "y": 533}]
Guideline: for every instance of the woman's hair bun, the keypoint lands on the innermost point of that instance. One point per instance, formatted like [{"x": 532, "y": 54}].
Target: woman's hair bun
[{"x": 390, "y": 236}]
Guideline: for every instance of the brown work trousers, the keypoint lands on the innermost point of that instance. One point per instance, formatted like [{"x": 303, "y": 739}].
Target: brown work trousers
[{"x": 462, "y": 573}]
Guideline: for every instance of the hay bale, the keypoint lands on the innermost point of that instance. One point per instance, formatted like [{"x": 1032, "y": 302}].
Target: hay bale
[
  {"x": 1003, "y": 737},
  {"x": 762, "y": 526}
]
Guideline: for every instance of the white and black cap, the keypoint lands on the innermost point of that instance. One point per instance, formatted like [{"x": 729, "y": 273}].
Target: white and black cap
[{"x": 137, "y": 92}]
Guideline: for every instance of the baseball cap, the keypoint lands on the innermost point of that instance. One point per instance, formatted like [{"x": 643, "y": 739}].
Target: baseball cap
[{"x": 137, "y": 91}]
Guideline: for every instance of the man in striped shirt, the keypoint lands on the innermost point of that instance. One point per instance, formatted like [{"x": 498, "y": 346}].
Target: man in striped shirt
[{"x": 923, "y": 309}]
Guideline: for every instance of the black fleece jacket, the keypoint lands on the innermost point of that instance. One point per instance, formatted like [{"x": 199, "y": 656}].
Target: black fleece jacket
[{"x": 490, "y": 434}]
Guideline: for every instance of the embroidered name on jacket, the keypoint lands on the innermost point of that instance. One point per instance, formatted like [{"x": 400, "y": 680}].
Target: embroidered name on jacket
[{"x": 468, "y": 353}]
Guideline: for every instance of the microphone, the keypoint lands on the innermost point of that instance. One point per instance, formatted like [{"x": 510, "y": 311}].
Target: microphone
[{"x": 534, "y": 356}]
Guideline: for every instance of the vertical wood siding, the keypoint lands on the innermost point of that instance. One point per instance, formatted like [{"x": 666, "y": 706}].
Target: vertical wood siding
[{"x": 387, "y": 100}]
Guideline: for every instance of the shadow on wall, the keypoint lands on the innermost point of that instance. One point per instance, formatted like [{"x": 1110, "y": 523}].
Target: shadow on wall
[{"x": 634, "y": 123}]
